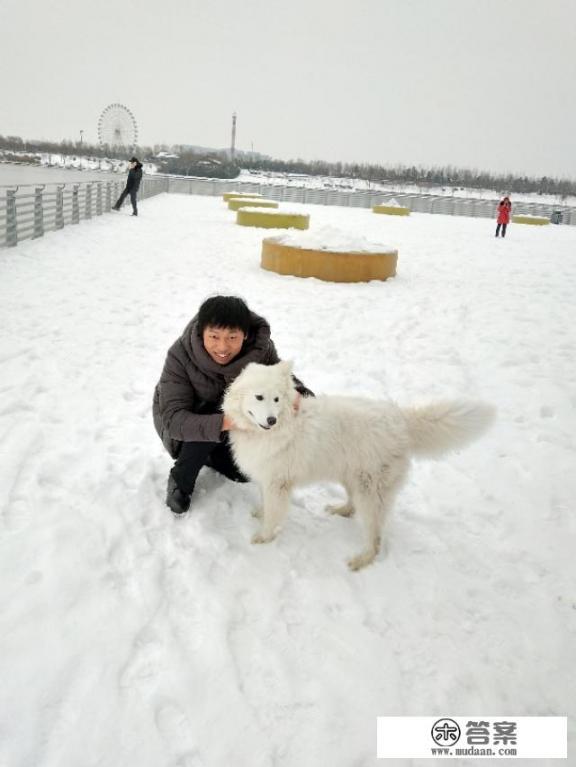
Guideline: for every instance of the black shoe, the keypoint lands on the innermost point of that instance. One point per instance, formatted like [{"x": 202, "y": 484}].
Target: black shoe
[
  {"x": 134, "y": 214},
  {"x": 176, "y": 500}
]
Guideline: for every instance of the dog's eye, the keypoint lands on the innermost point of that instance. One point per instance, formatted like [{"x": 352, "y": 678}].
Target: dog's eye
[
  {"x": 276, "y": 399},
  {"x": 259, "y": 397}
]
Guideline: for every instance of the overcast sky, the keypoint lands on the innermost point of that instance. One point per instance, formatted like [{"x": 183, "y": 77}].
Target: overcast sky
[{"x": 488, "y": 84}]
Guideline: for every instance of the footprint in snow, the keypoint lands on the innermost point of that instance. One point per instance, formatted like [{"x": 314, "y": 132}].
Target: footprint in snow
[
  {"x": 176, "y": 730},
  {"x": 147, "y": 662}
]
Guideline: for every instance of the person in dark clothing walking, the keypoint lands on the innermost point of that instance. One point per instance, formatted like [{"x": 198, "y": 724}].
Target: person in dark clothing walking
[
  {"x": 214, "y": 348},
  {"x": 132, "y": 185},
  {"x": 504, "y": 211}
]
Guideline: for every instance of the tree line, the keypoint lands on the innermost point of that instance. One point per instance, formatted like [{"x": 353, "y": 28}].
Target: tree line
[
  {"x": 77, "y": 148},
  {"x": 447, "y": 176},
  {"x": 218, "y": 164}
]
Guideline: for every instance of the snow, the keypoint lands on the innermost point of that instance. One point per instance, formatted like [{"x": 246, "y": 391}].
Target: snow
[
  {"x": 77, "y": 162},
  {"x": 128, "y": 637},
  {"x": 276, "y": 211},
  {"x": 332, "y": 239},
  {"x": 358, "y": 184},
  {"x": 245, "y": 195}
]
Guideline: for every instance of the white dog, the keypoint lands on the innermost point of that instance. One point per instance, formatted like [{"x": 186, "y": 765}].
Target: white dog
[{"x": 282, "y": 441}]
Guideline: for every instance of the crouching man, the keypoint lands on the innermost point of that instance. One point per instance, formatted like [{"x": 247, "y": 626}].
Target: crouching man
[{"x": 214, "y": 348}]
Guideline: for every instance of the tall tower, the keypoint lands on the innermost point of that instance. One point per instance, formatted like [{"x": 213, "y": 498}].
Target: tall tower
[{"x": 233, "y": 142}]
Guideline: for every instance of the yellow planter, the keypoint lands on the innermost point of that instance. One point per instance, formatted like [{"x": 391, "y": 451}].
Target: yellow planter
[
  {"x": 533, "y": 220},
  {"x": 391, "y": 210},
  {"x": 272, "y": 219},
  {"x": 331, "y": 266},
  {"x": 247, "y": 202},
  {"x": 233, "y": 195}
]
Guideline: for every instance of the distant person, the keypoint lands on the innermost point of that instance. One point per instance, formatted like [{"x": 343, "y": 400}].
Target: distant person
[
  {"x": 214, "y": 348},
  {"x": 132, "y": 185},
  {"x": 504, "y": 211}
]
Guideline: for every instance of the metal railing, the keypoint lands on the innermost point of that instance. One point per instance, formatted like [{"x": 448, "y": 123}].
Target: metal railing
[
  {"x": 30, "y": 210},
  {"x": 419, "y": 203}
]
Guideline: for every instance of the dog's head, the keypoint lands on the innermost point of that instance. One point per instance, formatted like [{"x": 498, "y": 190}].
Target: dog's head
[{"x": 261, "y": 397}]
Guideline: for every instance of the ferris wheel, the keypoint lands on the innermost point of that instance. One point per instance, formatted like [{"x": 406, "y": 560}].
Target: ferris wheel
[{"x": 117, "y": 127}]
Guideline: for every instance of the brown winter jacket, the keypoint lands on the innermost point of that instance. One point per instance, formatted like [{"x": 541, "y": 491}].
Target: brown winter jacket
[{"x": 187, "y": 398}]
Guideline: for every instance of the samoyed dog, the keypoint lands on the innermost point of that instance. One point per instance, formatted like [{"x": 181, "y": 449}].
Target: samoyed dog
[{"x": 282, "y": 441}]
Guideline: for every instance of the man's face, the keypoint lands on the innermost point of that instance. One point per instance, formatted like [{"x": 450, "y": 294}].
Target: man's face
[{"x": 222, "y": 344}]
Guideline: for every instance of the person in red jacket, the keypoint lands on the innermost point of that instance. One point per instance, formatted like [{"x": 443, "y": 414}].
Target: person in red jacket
[{"x": 504, "y": 211}]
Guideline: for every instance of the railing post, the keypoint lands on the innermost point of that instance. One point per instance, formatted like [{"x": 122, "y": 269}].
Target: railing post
[
  {"x": 108, "y": 198},
  {"x": 38, "y": 213},
  {"x": 59, "y": 220},
  {"x": 88, "y": 209},
  {"x": 11, "y": 220},
  {"x": 75, "y": 205},
  {"x": 99, "y": 198}
]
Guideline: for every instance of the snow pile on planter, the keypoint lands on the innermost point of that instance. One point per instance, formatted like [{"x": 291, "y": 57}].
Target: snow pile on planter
[
  {"x": 391, "y": 208},
  {"x": 227, "y": 196},
  {"x": 329, "y": 254},
  {"x": 250, "y": 202},
  {"x": 269, "y": 218}
]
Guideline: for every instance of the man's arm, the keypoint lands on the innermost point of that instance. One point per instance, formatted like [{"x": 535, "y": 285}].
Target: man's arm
[{"x": 177, "y": 402}]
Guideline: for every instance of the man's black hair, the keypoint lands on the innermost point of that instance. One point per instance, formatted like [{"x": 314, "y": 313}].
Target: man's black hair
[{"x": 224, "y": 312}]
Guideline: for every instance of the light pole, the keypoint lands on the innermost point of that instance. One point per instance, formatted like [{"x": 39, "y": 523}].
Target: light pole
[{"x": 233, "y": 141}]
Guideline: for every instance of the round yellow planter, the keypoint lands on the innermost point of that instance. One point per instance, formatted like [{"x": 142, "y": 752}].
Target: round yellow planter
[
  {"x": 332, "y": 266},
  {"x": 533, "y": 220},
  {"x": 391, "y": 210},
  {"x": 239, "y": 195},
  {"x": 272, "y": 219},
  {"x": 250, "y": 202}
]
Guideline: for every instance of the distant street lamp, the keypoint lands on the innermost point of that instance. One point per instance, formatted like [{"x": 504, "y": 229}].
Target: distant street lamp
[{"x": 81, "y": 137}]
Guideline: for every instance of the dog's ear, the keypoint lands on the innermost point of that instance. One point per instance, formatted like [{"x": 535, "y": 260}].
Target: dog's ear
[{"x": 286, "y": 367}]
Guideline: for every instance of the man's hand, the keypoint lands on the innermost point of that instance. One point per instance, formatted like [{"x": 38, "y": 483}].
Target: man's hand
[{"x": 227, "y": 424}]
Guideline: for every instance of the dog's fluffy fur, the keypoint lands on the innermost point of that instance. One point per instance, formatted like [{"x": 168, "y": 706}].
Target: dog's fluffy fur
[{"x": 365, "y": 445}]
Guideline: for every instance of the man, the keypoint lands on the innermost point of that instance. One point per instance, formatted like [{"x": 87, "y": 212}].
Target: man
[
  {"x": 214, "y": 348},
  {"x": 132, "y": 185}
]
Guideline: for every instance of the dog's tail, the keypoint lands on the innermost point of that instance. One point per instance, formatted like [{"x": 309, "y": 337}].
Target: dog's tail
[{"x": 446, "y": 425}]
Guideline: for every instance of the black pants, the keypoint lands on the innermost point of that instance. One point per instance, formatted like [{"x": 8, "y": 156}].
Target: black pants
[
  {"x": 194, "y": 455},
  {"x": 503, "y": 229},
  {"x": 125, "y": 193}
]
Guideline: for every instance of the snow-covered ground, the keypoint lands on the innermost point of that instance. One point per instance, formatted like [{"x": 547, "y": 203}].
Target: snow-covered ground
[{"x": 128, "y": 637}]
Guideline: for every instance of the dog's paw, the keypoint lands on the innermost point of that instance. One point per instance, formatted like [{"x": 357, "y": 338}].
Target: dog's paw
[
  {"x": 361, "y": 560},
  {"x": 342, "y": 510},
  {"x": 257, "y": 513},
  {"x": 260, "y": 538}
]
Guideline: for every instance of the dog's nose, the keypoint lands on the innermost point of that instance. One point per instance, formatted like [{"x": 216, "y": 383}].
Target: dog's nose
[{"x": 271, "y": 420}]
